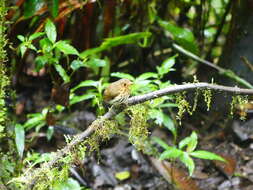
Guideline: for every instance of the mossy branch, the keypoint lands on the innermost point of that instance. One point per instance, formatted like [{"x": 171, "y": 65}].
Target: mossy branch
[{"x": 132, "y": 101}]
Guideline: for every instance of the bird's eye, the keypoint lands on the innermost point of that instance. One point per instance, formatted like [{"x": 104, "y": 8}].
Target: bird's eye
[{"x": 125, "y": 84}]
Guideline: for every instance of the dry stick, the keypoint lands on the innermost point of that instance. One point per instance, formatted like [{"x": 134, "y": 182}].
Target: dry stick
[{"x": 139, "y": 99}]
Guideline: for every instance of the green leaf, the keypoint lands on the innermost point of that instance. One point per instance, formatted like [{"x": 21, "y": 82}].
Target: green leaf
[
  {"x": 147, "y": 76},
  {"x": 168, "y": 105},
  {"x": 171, "y": 153},
  {"x": 206, "y": 155},
  {"x": 35, "y": 35},
  {"x": 46, "y": 45},
  {"x": 168, "y": 123},
  {"x": 157, "y": 115},
  {"x": 54, "y": 9},
  {"x": 123, "y": 76},
  {"x": 62, "y": 73},
  {"x": 182, "y": 36},
  {"x": 94, "y": 63},
  {"x": 86, "y": 83},
  {"x": 69, "y": 184},
  {"x": 50, "y": 132},
  {"x": 20, "y": 139},
  {"x": 40, "y": 62},
  {"x": 122, "y": 175},
  {"x": 161, "y": 143},
  {"x": 30, "y": 7},
  {"x": 76, "y": 64},
  {"x": 166, "y": 66},
  {"x": 188, "y": 162},
  {"x": 75, "y": 99},
  {"x": 133, "y": 38},
  {"x": 23, "y": 49},
  {"x": 51, "y": 31},
  {"x": 191, "y": 142},
  {"x": 21, "y": 38},
  {"x": 35, "y": 120},
  {"x": 66, "y": 48}
]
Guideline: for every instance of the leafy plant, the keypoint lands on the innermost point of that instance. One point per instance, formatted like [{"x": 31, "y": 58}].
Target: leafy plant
[{"x": 185, "y": 151}]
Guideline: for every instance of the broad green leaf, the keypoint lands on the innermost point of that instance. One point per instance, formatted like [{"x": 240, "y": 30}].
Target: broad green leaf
[
  {"x": 123, "y": 76},
  {"x": 122, "y": 175},
  {"x": 182, "y": 36},
  {"x": 77, "y": 99},
  {"x": 21, "y": 38},
  {"x": 166, "y": 66},
  {"x": 66, "y": 48},
  {"x": 147, "y": 75},
  {"x": 206, "y": 155},
  {"x": 35, "y": 35},
  {"x": 69, "y": 184},
  {"x": 76, "y": 64},
  {"x": 161, "y": 143},
  {"x": 22, "y": 48},
  {"x": 188, "y": 162},
  {"x": 40, "y": 62},
  {"x": 94, "y": 63},
  {"x": 34, "y": 121},
  {"x": 86, "y": 83},
  {"x": 46, "y": 45},
  {"x": 20, "y": 139},
  {"x": 157, "y": 115},
  {"x": 62, "y": 73},
  {"x": 168, "y": 123},
  {"x": 108, "y": 43},
  {"x": 30, "y": 7},
  {"x": 190, "y": 142},
  {"x": 31, "y": 46},
  {"x": 171, "y": 153},
  {"x": 51, "y": 31}
]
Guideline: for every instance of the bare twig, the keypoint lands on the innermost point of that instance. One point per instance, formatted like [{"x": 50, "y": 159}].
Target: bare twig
[{"x": 136, "y": 100}]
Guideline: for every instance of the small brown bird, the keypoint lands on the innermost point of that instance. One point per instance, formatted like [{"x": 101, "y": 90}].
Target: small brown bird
[{"x": 117, "y": 92}]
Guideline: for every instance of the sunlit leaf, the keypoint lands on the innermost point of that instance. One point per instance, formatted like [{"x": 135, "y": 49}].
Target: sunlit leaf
[
  {"x": 66, "y": 48},
  {"x": 35, "y": 35},
  {"x": 188, "y": 162},
  {"x": 76, "y": 64},
  {"x": 50, "y": 132},
  {"x": 206, "y": 155},
  {"x": 123, "y": 76},
  {"x": 62, "y": 73},
  {"x": 21, "y": 38},
  {"x": 86, "y": 83},
  {"x": 171, "y": 153},
  {"x": 94, "y": 62},
  {"x": 166, "y": 66},
  {"x": 77, "y": 99},
  {"x": 191, "y": 142},
  {"x": 20, "y": 139},
  {"x": 69, "y": 184},
  {"x": 51, "y": 31},
  {"x": 147, "y": 75},
  {"x": 161, "y": 143},
  {"x": 169, "y": 124},
  {"x": 34, "y": 120}
]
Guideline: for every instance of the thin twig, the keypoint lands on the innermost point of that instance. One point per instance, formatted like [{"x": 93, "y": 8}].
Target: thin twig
[{"x": 222, "y": 71}]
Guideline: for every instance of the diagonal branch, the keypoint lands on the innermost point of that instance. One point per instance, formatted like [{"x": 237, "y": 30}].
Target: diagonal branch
[{"x": 139, "y": 99}]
